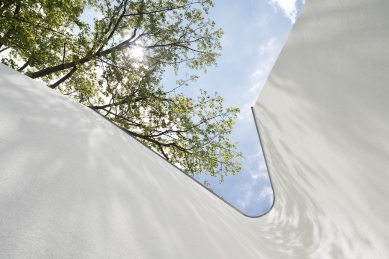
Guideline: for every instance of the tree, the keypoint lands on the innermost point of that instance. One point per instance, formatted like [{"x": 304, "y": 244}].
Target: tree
[{"x": 116, "y": 66}]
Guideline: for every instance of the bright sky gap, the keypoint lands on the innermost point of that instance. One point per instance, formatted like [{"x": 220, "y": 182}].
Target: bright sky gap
[{"x": 254, "y": 33}]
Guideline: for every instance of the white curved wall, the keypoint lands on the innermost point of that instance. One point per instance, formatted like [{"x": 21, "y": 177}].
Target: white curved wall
[
  {"x": 72, "y": 185},
  {"x": 323, "y": 116}
]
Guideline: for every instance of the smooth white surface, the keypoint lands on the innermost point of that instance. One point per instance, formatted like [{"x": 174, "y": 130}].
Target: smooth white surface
[
  {"x": 323, "y": 117},
  {"x": 72, "y": 185}
]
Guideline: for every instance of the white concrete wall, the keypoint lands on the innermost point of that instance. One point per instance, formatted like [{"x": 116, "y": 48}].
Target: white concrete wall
[
  {"x": 323, "y": 116},
  {"x": 72, "y": 185}
]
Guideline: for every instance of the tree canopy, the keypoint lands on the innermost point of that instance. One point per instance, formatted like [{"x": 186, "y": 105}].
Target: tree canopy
[{"x": 116, "y": 64}]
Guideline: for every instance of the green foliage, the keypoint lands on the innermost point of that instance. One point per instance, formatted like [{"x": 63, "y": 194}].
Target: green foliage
[
  {"x": 35, "y": 31},
  {"x": 99, "y": 67}
]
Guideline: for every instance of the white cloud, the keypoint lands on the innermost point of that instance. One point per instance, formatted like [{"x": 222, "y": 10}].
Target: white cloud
[
  {"x": 254, "y": 192},
  {"x": 259, "y": 175},
  {"x": 259, "y": 170},
  {"x": 268, "y": 53},
  {"x": 253, "y": 198},
  {"x": 248, "y": 188},
  {"x": 303, "y": 1},
  {"x": 288, "y": 7},
  {"x": 266, "y": 194},
  {"x": 256, "y": 165},
  {"x": 269, "y": 47}
]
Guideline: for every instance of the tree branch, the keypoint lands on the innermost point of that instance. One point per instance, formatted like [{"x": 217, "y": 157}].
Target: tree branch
[
  {"x": 63, "y": 79},
  {"x": 124, "y": 3},
  {"x": 24, "y": 66},
  {"x": 162, "y": 10},
  {"x": 64, "y": 66},
  {"x": 1, "y": 50}
]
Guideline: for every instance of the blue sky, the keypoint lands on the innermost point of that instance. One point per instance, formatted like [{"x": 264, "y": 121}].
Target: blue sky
[{"x": 255, "y": 31}]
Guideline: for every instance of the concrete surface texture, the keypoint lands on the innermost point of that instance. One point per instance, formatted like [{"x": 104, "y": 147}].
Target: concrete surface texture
[{"x": 72, "y": 185}]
